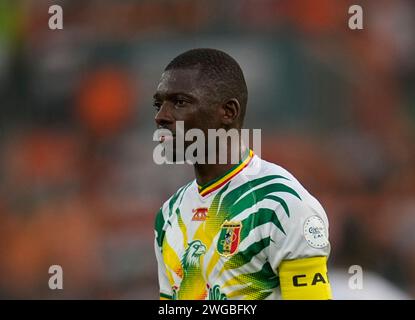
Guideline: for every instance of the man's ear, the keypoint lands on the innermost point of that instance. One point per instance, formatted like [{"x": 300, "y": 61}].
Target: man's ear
[{"x": 231, "y": 111}]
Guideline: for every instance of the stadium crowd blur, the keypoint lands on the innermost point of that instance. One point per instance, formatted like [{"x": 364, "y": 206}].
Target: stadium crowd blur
[{"x": 78, "y": 185}]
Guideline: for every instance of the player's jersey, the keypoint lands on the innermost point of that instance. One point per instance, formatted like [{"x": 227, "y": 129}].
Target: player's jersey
[{"x": 254, "y": 233}]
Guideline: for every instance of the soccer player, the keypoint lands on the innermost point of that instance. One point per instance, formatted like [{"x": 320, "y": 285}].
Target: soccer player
[{"x": 233, "y": 233}]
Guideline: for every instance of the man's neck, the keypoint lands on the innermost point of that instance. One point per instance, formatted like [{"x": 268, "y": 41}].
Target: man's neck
[{"x": 208, "y": 172}]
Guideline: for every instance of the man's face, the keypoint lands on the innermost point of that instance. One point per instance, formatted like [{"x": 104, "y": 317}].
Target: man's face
[{"x": 182, "y": 96}]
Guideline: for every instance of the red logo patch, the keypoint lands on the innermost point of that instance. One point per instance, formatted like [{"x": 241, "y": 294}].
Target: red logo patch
[{"x": 199, "y": 214}]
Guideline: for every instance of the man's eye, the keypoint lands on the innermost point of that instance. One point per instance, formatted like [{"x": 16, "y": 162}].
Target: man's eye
[
  {"x": 180, "y": 102},
  {"x": 157, "y": 105}
]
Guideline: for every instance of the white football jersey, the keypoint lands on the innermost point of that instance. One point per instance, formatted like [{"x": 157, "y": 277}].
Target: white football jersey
[{"x": 230, "y": 238}]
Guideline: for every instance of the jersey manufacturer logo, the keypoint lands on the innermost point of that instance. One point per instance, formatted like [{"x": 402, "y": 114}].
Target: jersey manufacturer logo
[
  {"x": 229, "y": 238},
  {"x": 199, "y": 214}
]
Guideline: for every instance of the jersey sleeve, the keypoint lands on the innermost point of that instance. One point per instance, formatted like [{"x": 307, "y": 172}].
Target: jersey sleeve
[
  {"x": 165, "y": 289},
  {"x": 298, "y": 250}
]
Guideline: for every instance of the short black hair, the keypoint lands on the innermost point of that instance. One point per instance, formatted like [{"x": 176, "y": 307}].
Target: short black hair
[{"x": 224, "y": 72}]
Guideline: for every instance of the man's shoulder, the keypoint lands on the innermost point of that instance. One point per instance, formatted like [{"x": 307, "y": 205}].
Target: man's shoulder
[
  {"x": 270, "y": 168},
  {"x": 265, "y": 172},
  {"x": 286, "y": 204},
  {"x": 275, "y": 179}
]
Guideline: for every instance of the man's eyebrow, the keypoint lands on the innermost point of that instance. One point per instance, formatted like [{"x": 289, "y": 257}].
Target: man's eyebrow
[{"x": 169, "y": 95}]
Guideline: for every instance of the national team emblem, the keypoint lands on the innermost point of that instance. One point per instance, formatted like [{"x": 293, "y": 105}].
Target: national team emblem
[
  {"x": 229, "y": 238},
  {"x": 200, "y": 214}
]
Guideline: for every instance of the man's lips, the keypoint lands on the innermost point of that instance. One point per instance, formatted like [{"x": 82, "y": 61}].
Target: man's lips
[{"x": 167, "y": 138}]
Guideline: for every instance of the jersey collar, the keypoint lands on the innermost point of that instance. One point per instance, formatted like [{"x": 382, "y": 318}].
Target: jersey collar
[{"x": 219, "y": 182}]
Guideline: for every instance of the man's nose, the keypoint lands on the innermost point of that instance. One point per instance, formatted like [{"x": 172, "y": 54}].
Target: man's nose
[{"x": 164, "y": 116}]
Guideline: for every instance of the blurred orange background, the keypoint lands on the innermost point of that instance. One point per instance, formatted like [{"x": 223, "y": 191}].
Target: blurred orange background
[{"x": 78, "y": 186}]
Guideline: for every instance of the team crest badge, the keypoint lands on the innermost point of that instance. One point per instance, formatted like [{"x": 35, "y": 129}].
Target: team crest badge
[{"x": 229, "y": 238}]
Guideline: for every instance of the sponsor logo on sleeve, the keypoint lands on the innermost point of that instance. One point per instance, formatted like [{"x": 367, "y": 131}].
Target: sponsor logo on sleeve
[{"x": 315, "y": 232}]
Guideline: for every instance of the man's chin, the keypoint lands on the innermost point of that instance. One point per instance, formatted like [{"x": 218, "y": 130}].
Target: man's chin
[{"x": 172, "y": 156}]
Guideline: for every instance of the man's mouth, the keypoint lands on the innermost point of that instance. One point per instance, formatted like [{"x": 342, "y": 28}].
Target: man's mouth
[{"x": 165, "y": 138}]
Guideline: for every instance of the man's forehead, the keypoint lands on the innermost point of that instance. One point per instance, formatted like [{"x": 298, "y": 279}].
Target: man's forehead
[{"x": 179, "y": 80}]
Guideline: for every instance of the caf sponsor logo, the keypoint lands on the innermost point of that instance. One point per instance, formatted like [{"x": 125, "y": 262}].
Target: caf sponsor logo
[
  {"x": 229, "y": 238},
  {"x": 315, "y": 232},
  {"x": 199, "y": 214}
]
